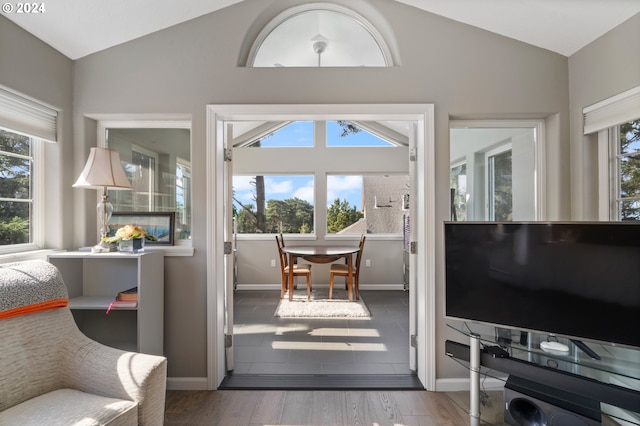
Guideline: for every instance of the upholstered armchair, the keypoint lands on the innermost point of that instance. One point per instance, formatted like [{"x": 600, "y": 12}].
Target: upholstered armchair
[{"x": 51, "y": 373}]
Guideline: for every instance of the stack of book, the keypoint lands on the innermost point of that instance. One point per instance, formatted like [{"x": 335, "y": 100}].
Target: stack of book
[{"x": 125, "y": 299}]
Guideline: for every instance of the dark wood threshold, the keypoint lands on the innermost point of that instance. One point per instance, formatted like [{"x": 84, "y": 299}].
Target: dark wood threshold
[{"x": 321, "y": 382}]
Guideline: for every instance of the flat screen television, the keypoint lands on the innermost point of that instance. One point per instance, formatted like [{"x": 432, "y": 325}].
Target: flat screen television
[{"x": 575, "y": 279}]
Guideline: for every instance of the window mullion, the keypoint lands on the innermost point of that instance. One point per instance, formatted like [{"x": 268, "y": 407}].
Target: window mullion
[{"x": 38, "y": 193}]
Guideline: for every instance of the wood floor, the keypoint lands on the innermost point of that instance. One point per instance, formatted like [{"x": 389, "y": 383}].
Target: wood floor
[
  {"x": 255, "y": 335},
  {"x": 264, "y": 344},
  {"x": 378, "y": 408}
]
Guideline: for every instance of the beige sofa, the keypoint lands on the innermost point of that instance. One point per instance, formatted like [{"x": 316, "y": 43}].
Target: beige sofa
[{"x": 52, "y": 374}]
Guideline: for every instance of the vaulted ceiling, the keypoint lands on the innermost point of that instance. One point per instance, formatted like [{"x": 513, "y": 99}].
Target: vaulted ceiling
[{"x": 80, "y": 27}]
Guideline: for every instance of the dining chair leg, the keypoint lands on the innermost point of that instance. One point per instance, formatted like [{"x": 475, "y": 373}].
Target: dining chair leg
[
  {"x": 350, "y": 277},
  {"x": 308, "y": 287},
  {"x": 331, "y": 286},
  {"x": 291, "y": 280}
]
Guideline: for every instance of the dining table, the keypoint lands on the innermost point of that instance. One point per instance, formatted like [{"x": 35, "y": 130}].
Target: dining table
[{"x": 322, "y": 254}]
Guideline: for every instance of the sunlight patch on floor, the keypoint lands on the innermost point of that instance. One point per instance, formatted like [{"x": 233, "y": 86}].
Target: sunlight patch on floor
[
  {"x": 330, "y": 346},
  {"x": 278, "y": 330},
  {"x": 344, "y": 332}
]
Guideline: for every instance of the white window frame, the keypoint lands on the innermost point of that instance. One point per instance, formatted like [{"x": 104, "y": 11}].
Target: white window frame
[
  {"x": 184, "y": 165},
  {"x": 269, "y": 235},
  {"x": 454, "y": 165},
  {"x": 609, "y": 176},
  {"x": 540, "y": 181},
  {"x": 320, "y": 179},
  {"x": 330, "y": 7},
  {"x": 398, "y": 201},
  {"x": 37, "y": 185},
  {"x": 28, "y": 116},
  {"x": 604, "y": 118},
  {"x": 153, "y": 176},
  {"x": 489, "y": 179},
  {"x": 134, "y": 121}
]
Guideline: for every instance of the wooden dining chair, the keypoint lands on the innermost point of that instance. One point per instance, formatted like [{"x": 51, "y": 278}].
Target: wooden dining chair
[
  {"x": 342, "y": 270},
  {"x": 298, "y": 270}
]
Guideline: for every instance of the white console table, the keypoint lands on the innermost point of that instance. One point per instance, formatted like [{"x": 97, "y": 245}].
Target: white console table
[{"x": 93, "y": 281}]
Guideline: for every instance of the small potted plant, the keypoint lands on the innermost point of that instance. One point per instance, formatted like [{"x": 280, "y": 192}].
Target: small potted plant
[{"x": 130, "y": 238}]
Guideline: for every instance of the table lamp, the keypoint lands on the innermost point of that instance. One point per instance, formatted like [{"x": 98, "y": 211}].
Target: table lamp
[{"x": 103, "y": 171}]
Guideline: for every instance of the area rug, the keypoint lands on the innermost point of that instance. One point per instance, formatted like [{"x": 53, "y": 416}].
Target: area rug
[{"x": 320, "y": 306}]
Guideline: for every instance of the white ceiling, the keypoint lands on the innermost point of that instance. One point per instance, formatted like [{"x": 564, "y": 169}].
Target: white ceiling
[{"x": 80, "y": 27}]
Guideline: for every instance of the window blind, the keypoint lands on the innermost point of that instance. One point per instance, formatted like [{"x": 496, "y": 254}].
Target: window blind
[
  {"x": 26, "y": 116},
  {"x": 613, "y": 111}
]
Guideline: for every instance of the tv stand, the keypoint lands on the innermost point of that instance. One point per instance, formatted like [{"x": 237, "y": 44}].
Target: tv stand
[
  {"x": 586, "y": 349},
  {"x": 573, "y": 380}
]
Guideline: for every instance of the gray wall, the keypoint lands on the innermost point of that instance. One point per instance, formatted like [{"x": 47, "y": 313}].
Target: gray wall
[
  {"x": 33, "y": 68},
  {"x": 466, "y": 72},
  {"x": 604, "y": 68}
]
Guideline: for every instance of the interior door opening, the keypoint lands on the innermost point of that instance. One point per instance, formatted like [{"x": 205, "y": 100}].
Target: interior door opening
[{"x": 417, "y": 308}]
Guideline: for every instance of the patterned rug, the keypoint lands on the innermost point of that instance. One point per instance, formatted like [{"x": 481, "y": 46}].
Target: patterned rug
[{"x": 320, "y": 306}]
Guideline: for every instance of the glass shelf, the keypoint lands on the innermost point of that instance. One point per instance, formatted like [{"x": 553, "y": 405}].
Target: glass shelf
[
  {"x": 622, "y": 362},
  {"x": 617, "y": 366}
]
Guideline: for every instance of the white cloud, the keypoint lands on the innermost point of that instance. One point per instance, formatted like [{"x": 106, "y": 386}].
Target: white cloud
[
  {"x": 243, "y": 189},
  {"x": 343, "y": 187},
  {"x": 345, "y": 182},
  {"x": 305, "y": 193},
  {"x": 242, "y": 183},
  {"x": 273, "y": 187},
  {"x": 276, "y": 187}
]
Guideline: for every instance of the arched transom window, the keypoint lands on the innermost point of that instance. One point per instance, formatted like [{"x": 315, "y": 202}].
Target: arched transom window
[{"x": 319, "y": 35}]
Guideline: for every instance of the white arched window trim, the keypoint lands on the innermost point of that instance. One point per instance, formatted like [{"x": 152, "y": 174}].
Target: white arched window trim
[{"x": 294, "y": 11}]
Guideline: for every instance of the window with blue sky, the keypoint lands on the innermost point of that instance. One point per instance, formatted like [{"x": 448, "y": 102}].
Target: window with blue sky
[{"x": 270, "y": 201}]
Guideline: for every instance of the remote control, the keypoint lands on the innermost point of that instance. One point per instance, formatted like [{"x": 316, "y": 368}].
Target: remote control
[{"x": 554, "y": 347}]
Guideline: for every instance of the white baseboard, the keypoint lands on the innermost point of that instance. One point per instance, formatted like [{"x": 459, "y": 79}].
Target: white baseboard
[
  {"x": 242, "y": 287},
  {"x": 454, "y": 385},
  {"x": 186, "y": 383}
]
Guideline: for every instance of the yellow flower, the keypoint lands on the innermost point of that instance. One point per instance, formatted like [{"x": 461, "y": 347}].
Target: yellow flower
[{"x": 130, "y": 232}]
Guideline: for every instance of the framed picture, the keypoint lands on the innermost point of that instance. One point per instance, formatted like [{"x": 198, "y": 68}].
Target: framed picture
[{"x": 159, "y": 224}]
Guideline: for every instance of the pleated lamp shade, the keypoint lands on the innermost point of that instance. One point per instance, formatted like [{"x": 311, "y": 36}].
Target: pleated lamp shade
[{"x": 103, "y": 170}]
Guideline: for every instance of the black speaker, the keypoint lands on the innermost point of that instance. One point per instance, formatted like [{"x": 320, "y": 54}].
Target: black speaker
[{"x": 532, "y": 404}]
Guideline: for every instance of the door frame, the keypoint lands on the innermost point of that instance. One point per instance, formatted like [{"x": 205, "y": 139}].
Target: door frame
[{"x": 423, "y": 258}]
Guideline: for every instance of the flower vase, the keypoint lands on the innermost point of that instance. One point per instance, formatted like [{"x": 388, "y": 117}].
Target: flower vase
[{"x": 133, "y": 245}]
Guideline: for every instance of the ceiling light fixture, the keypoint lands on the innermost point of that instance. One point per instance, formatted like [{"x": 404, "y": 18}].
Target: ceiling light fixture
[{"x": 320, "y": 45}]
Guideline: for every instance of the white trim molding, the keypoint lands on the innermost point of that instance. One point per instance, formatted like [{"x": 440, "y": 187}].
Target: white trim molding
[
  {"x": 424, "y": 294},
  {"x": 186, "y": 383},
  {"x": 357, "y": 18},
  {"x": 538, "y": 125},
  {"x": 612, "y": 111}
]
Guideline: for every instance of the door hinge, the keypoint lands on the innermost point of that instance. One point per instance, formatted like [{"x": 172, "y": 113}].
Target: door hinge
[
  {"x": 413, "y": 247},
  {"x": 228, "y": 340},
  {"x": 413, "y": 155},
  {"x": 414, "y": 341},
  {"x": 227, "y": 154},
  {"x": 228, "y": 247}
]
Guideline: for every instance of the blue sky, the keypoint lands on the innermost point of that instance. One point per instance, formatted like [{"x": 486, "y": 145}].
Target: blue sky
[{"x": 284, "y": 187}]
